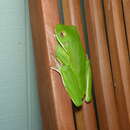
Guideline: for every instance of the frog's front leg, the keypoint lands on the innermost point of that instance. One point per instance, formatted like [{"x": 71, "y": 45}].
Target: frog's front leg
[
  {"x": 88, "y": 96},
  {"x": 61, "y": 55},
  {"x": 60, "y": 58},
  {"x": 71, "y": 85}
]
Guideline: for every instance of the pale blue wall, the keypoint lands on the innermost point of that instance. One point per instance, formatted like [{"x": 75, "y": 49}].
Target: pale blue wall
[{"x": 19, "y": 106}]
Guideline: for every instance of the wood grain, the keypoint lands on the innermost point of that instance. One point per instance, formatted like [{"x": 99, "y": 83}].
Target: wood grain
[
  {"x": 56, "y": 107},
  {"x": 85, "y": 117},
  {"x": 126, "y": 10},
  {"x": 122, "y": 49},
  {"x": 116, "y": 70},
  {"x": 103, "y": 84}
]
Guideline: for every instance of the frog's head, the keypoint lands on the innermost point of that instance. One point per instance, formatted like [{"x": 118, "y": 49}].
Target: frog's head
[{"x": 64, "y": 33}]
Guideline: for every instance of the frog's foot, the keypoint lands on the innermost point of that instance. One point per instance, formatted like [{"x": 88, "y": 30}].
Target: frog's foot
[
  {"x": 55, "y": 69},
  {"x": 57, "y": 65}
]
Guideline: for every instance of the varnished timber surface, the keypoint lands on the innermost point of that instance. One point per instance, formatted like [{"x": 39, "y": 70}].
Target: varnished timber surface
[
  {"x": 55, "y": 105},
  {"x": 115, "y": 62},
  {"x": 103, "y": 83},
  {"x": 122, "y": 50},
  {"x": 126, "y": 9}
]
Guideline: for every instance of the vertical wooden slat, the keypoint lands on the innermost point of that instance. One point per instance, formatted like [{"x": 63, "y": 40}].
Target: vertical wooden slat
[
  {"x": 55, "y": 105},
  {"x": 122, "y": 50},
  {"x": 103, "y": 84},
  {"x": 85, "y": 117},
  {"x": 126, "y": 8},
  {"x": 118, "y": 83}
]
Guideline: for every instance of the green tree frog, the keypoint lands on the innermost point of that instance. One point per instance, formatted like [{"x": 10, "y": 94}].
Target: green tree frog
[{"x": 74, "y": 66}]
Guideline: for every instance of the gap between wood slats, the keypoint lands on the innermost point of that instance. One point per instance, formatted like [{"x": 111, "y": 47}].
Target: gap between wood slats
[{"x": 126, "y": 10}]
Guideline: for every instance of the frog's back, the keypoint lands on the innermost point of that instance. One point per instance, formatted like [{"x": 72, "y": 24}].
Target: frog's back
[
  {"x": 69, "y": 39},
  {"x": 77, "y": 58}
]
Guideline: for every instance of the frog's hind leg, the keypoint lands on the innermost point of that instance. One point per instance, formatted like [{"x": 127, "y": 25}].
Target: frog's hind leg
[
  {"x": 62, "y": 56},
  {"x": 88, "y": 96},
  {"x": 71, "y": 85}
]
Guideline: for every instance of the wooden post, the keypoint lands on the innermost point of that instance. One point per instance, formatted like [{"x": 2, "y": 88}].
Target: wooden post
[{"x": 55, "y": 105}]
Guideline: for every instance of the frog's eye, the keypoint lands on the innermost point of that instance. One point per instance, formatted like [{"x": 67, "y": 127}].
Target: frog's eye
[{"x": 62, "y": 34}]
